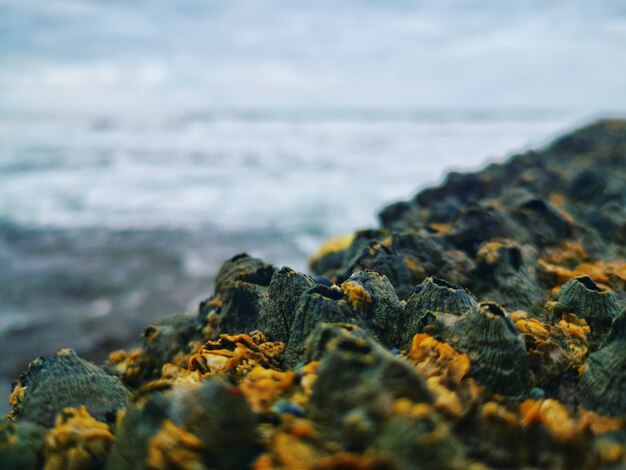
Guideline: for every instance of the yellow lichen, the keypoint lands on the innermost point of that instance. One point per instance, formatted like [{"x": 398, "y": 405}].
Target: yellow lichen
[
  {"x": 76, "y": 441},
  {"x": 496, "y": 411},
  {"x": 262, "y": 387},
  {"x": 295, "y": 445},
  {"x": 359, "y": 298},
  {"x": 433, "y": 357},
  {"x": 127, "y": 365},
  {"x": 552, "y": 415},
  {"x": 489, "y": 253},
  {"x": 174, "y": 448},
  {"x": 442, "y": 229},
  {"x": 600, "y": 424},
  {"x": 332, "y": 245}
]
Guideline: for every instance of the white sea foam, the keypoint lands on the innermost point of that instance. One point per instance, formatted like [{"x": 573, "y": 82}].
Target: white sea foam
[{"x": 307, "y": 176}]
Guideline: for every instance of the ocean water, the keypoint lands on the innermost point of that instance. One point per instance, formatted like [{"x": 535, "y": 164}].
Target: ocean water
[{"x": 109, "y": 224}]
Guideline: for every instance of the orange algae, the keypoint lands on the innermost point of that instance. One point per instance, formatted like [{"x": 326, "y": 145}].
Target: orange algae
[{"x": 332, "y": 245}]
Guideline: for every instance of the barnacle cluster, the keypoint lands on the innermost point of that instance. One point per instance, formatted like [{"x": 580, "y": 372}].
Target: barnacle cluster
[{"x": 483, "y": 325}]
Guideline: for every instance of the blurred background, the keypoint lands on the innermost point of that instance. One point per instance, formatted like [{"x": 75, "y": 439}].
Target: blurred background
[{"x": 144, "y": 142}]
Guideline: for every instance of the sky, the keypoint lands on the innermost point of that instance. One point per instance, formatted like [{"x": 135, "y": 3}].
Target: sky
[{"x": 147, "y": 56}]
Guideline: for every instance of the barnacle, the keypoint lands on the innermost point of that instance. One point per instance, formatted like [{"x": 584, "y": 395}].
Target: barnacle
[
  {"x": 416, "y": 437},
  {"x": 63, "y": 381},
  {"x": 602, "y": 386},
  {"x": 495, "y": 347},
  {"x": 582, "y": 296},
  {"x": 349, "y": 400},
  {"x": 373, "y": 296},
  {"x": 433, "y": 301},
  {"x": 317, "y": 305},
  {"x": 20, "y": 444},
  {"x": 278, "y": 313}
]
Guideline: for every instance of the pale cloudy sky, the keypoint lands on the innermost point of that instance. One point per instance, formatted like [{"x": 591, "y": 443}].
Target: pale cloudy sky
[{"x": 143, "y": 56}]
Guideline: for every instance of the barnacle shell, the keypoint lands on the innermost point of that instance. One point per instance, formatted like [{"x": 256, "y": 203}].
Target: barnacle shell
[
  {"x": 324, "y": 334},
  {"x": 373, "y": 296},
  {"x": 211, "y": 418},
  {"x": 166, "y": 339},
  {"x": 496, "y": 349},
  {"x": 602, "y": 386},
  {"x": 503, "y": 276},
  {"x": 543, "y": 221},
  {"x": 241, "y": 306},
  {"x": 278, "y": 313},
  {"x": 477, "y": 225},
  {"x": 383, "y": 260},
  {"x": 218, "y": 414},
  {"x": 416, "y": 437},
  {"x": 425, "y": 255},
  {"x": 243, "y": 267},
  {"x": 587, "y": 300},
  {"x": 330, "y": 255},
  {"x": 76, "y": 441},
  {"x": 317, "y": 305},
  {"x": 140, "y": 422},
  {"x": 64, "y": 381},
  {"x": 20, "y": 444},
  {"x": 432, "y": 300},
  {"x": 356, "y": 384},
  {"x": 240, "y": 288}
]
